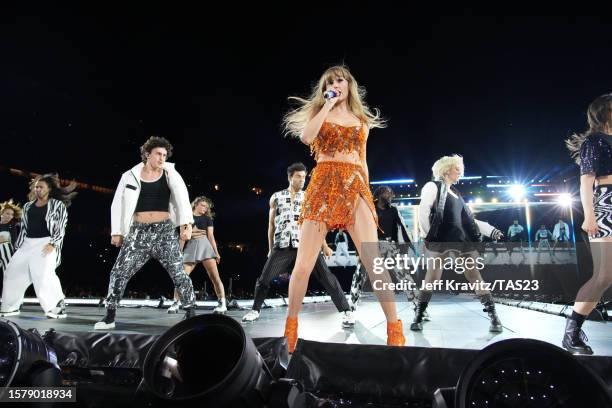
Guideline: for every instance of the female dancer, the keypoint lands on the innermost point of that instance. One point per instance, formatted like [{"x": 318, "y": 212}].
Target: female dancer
[
  {"x": 450, "y": 228},
  {"x": 39, "y": 249},
  {"x": 10, "y": 217},
  {"x": 335, "y": 122},
  {"x": 202, "y": 247},
  {"x": 592, "y": 150}
]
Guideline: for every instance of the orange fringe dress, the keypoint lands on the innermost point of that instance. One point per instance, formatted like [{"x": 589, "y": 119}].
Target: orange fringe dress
[{"x": 334, "y": 188}]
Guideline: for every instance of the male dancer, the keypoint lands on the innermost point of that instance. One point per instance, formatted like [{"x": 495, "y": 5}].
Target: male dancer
[
  {"x": 391, "y": 223},
  {"x": 150, "y": 202},
  {"x": 283, "y": 241},
  {"x": 543, "y": 237},
  {"x": 515, "y": 239}
]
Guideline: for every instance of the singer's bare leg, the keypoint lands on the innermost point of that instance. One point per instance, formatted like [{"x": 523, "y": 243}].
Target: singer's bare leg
[
  {"x": 312, "y": 234},
  {"x": 363, "y": 233}
]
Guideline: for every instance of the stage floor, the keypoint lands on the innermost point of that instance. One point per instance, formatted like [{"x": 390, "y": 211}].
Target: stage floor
[{"x": 456, "y": 322}]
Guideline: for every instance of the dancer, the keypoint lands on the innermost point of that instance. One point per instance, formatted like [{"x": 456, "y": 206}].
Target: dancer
[
  {"x": 10, "y": 220},
  {"x": 202, "y": 248},
  {"x": 451, "y": 230},
  {"x": 561, "y": 235},
  {"x": 150, "y": 202},
  {"x": 542, "y": 237},
  {"x": 341, "y": 244},
  {"x": 391, "y": 225},
  {"x": 39, "y": 248},
  {"x": 283, "y": 241},
  {"x": 337, "y": 196},
  {"x": 592, "y": 150},
  {"x": 515, "y": 239}
]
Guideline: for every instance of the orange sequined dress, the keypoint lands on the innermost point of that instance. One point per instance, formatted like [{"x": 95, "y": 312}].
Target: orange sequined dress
[{"x": 334, "y": 188}]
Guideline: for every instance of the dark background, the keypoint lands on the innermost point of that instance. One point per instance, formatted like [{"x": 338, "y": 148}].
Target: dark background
[{"x": 81, "y": 90}]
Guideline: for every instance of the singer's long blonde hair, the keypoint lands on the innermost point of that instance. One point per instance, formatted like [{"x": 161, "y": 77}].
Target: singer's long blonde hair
[{"x": 295, "y": 120}]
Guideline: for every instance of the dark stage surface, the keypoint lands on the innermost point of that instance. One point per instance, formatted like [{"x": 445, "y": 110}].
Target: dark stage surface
[{"x": 456, "y": 322}]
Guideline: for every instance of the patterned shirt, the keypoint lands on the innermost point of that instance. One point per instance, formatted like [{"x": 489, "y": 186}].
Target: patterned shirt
[{"x": 286, "y": 228}]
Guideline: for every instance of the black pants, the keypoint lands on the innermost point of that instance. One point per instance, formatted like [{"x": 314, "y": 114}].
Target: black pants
[{"x": 282, "y": 261}]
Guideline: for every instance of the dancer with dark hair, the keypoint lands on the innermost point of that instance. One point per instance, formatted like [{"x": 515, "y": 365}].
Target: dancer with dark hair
[
  {"x": 392, "y": 227},
  {"x": 202, "y": 248},
  {"x": 283, "y": 241},
  {"x": 10, "y": 220},
  {"x": 592, "y": 151},
  {"x": 39, "y": 248},
  {"x": 450, "y": 230},
  {"x": 335, "y": 122},
  {"x": 150, "y": 202},
  {"x": 543, "y": 237}
]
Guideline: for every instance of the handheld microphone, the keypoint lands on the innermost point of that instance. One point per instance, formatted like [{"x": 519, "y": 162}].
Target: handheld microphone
[{"x": 330, "y": 94}]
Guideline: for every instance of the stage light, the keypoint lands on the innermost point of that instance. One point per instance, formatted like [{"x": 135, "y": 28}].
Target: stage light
[
  {"x": 207, "y": 361},
  {"x": 528, "y": 373},
  {"x": 478, "y": 200},
  {"x": 494, "y": 200},
  {"x": 25, "y": 359},
  {"x": 516, "y": 192},
  {"x": 565, "y": 200}
]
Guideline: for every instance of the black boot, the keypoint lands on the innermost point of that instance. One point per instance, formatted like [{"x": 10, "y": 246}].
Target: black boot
[
  {"x": 489, "y": 308},
  {"x": 417, "y": 323},
  {"x": 574, "y": 339},
  {"x": 189, "y": 312}
]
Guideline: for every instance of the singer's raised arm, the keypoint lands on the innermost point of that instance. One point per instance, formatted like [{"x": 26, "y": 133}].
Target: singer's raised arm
[{"x": 312, "y": 127}]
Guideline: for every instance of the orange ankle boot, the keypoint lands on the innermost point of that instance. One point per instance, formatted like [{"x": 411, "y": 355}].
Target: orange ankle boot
[
  {"x": 291, "y": 333},
  {"x": 395, "y": 334}
]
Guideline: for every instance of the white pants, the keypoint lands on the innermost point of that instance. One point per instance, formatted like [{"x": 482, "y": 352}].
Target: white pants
[
  {"x": 342, "y": 251},
  {"x": 29, "y": 266}
]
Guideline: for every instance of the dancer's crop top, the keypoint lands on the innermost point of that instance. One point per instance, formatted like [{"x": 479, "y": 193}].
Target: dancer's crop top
[
  {"x": 334, "y": 138},
  {"x": 154, "y": 195},
  {"x": 596, "y": 155}
]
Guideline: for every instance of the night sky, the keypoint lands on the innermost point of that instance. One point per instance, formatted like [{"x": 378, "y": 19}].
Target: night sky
[{"x": 82, "y": 90}]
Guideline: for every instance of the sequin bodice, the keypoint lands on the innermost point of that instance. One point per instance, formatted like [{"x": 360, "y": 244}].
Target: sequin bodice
[
  {"x": 596, "y": 155},
  {"x": 334, "y": 138}
]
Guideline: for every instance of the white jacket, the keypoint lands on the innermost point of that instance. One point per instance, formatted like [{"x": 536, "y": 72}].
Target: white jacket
[
  {"x": 557, "y": 231},
  {"x": 128, "y": 190}
]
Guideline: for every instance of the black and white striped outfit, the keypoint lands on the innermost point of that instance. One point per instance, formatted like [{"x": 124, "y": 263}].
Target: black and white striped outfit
[
  {"x": 602, "y": 200},
  {"x": 28, "y": 264},
  {"x": 7, "y": 249}
]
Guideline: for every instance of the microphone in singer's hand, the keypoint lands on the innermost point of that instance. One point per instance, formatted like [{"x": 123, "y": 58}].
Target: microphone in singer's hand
[{"x": 330, "y": 94}]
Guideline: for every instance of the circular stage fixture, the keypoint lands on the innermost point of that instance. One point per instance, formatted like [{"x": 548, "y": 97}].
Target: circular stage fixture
[
  {"x": 25, "y": 359},
  {"x": 207, "y": 361},
  {"x": 528, "y": 373}
]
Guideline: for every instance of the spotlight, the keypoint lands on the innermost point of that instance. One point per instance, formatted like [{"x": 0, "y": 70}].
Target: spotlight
[
  {"x": 25, "y": 359},
  {"x": 478, "y": 200},
  {"x": 207, "y": 361},
  {"x": 517, "y": 192},
  {"x": 528, "y": 373},
  {"x": 565, "y": 200}
]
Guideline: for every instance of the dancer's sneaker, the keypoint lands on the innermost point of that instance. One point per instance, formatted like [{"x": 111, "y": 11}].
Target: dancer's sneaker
[
  {"x": 108, "y": 322},
  {"x": 251, "y": 316},
  {"x": 11, "y": 313},
  {"x": 58, "y": 312},
  {"x": 222, "y": 308},
  {"x": 174, "y": 308},
  {"x": 348, "y": 320}
]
